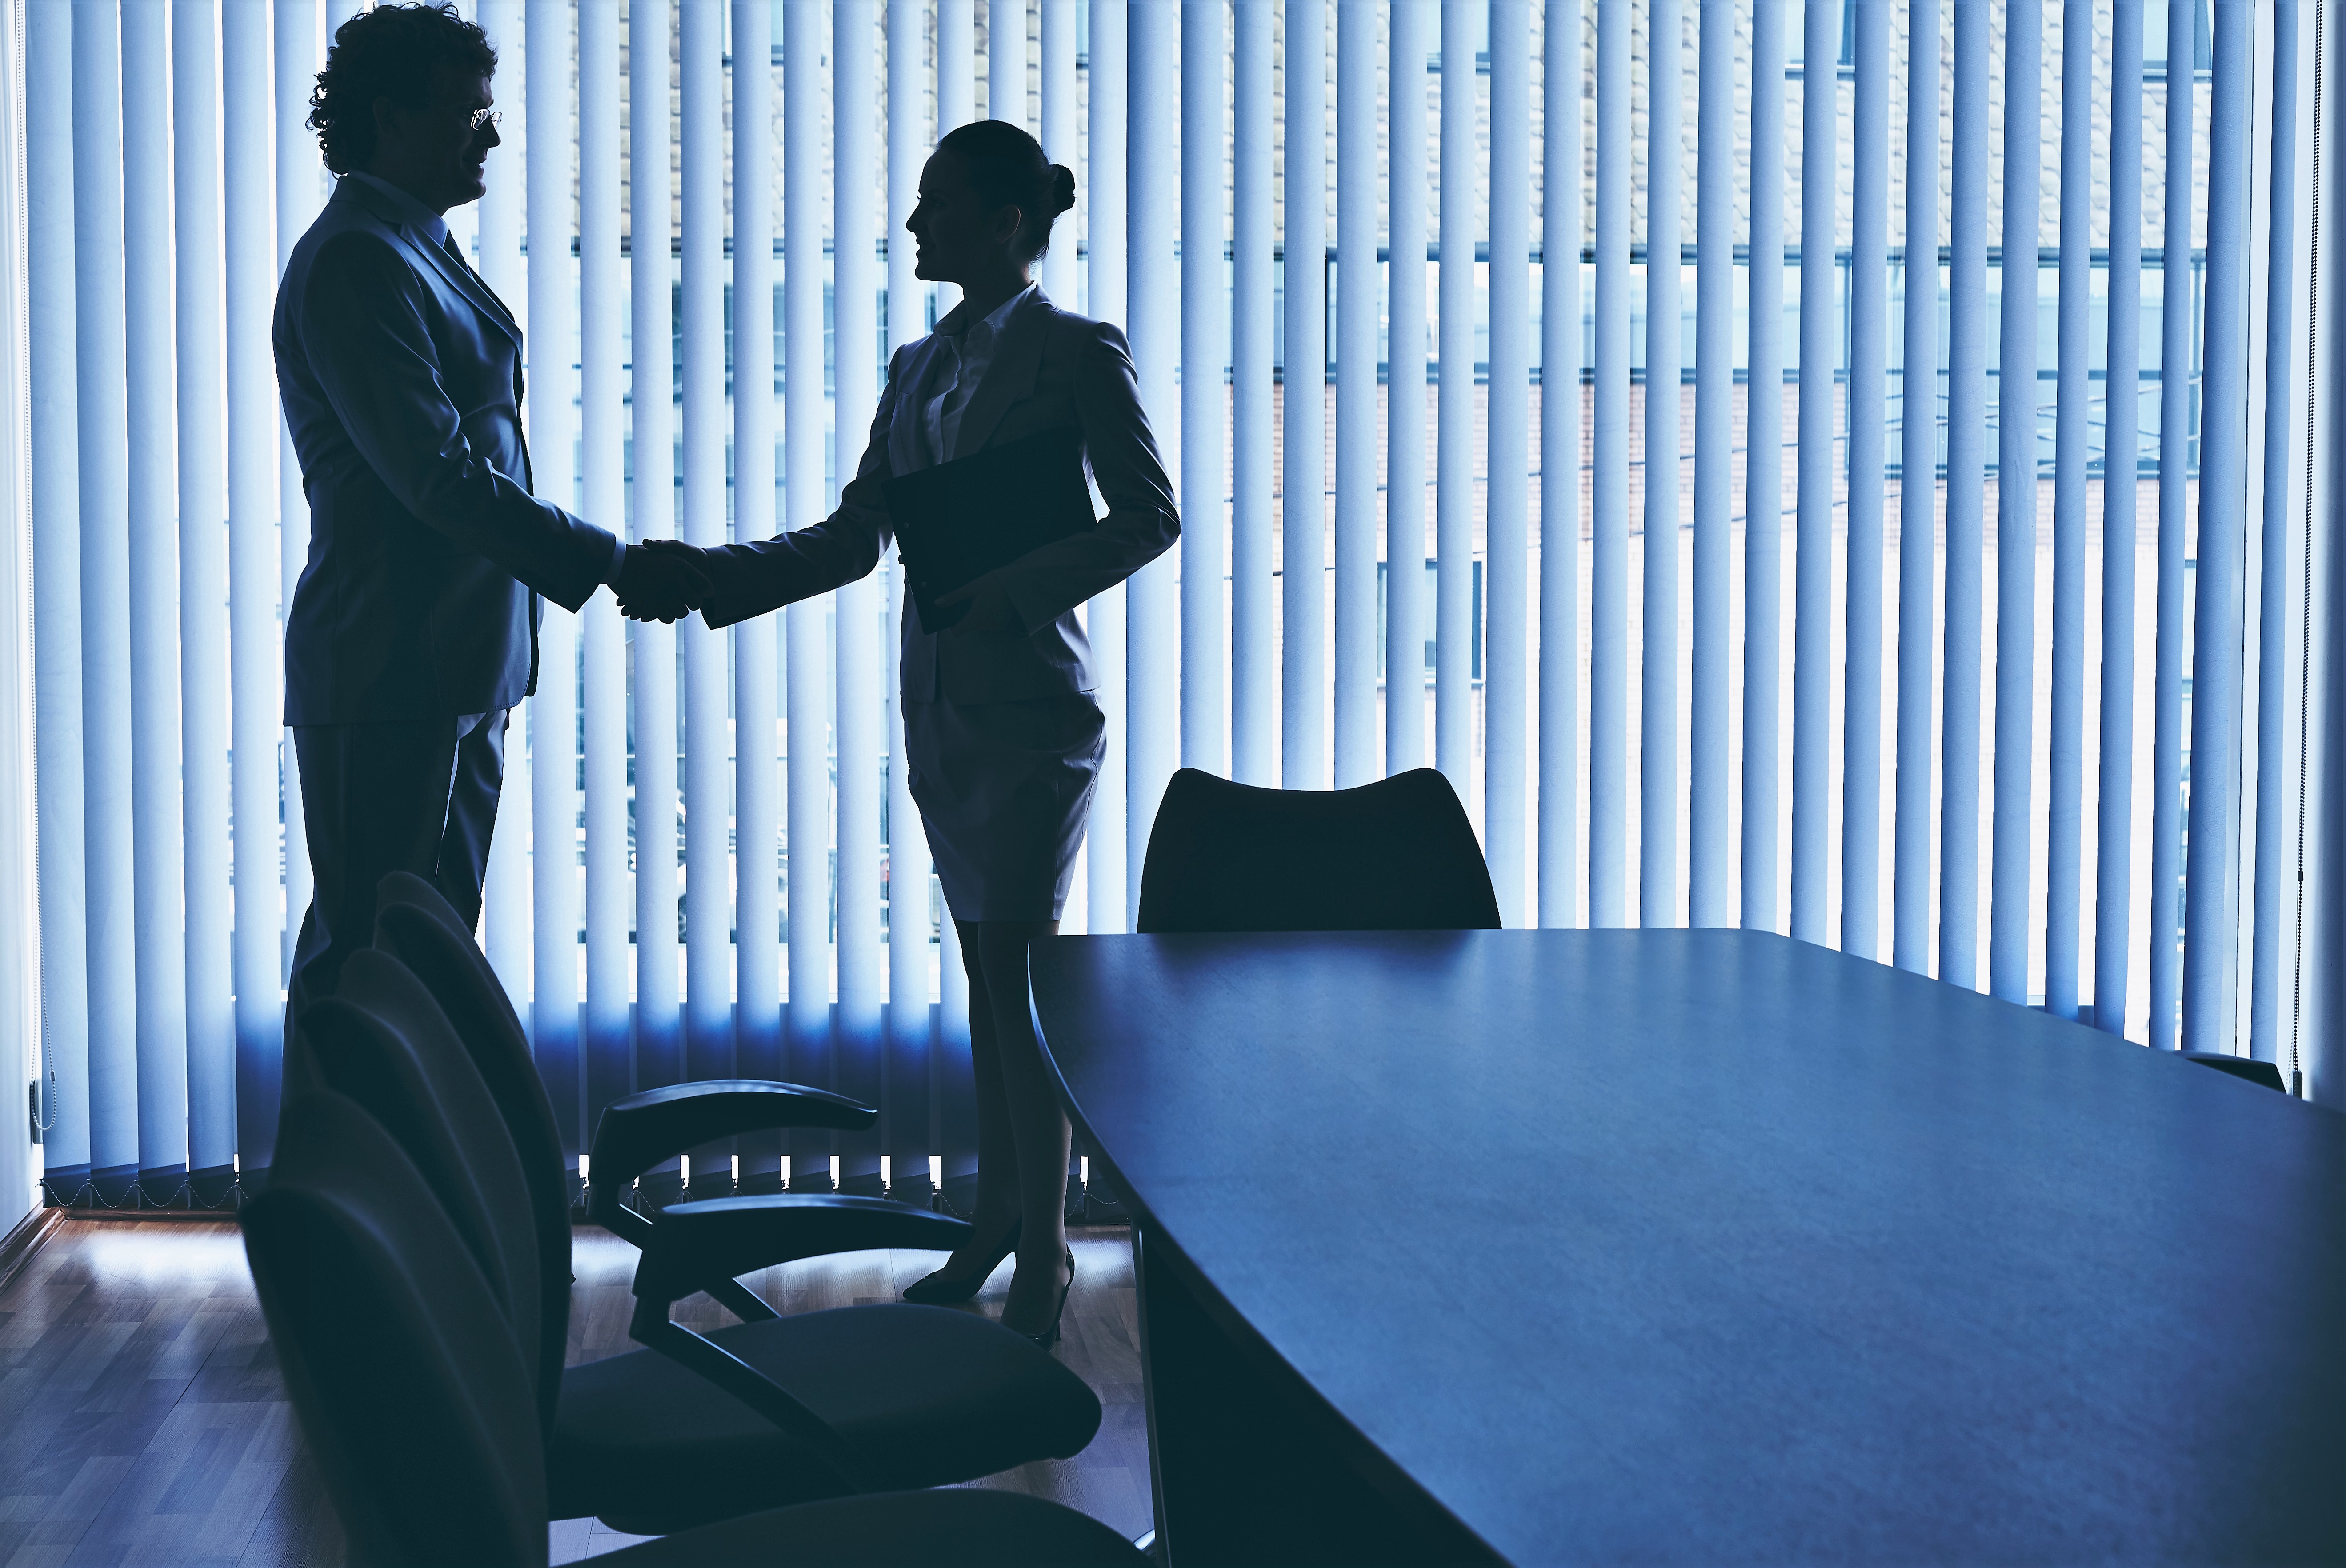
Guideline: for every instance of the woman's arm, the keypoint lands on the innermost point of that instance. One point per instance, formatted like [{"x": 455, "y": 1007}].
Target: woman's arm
[
  {"x": 1143, "y": 520},
  {"x": 751, "y": 579}
]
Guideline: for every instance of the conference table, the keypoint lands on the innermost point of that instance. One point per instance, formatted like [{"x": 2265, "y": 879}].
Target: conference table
[{"x": 1696, "y": 1247}]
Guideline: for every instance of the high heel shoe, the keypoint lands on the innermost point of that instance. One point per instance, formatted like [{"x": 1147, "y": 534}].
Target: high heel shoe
[
  {"x": 1050, "y": 1335},
  {"x": 942, "y": 1289}
]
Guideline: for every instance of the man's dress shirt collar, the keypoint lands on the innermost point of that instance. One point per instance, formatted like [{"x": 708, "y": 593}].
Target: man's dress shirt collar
[{"x": 418, "y": 216}]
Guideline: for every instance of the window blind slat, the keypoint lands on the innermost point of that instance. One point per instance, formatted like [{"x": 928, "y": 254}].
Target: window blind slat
[
  {"x": 1153, "y": 728},
  {"x": 1608, "y": 611},
  {"x": 1005, "y": 62},
  {"x": 102, "y": 445},
  {"x": 1204, "y": 336},
  {"x": 160, "y": 823},
  {"x": 957, "y": 1144},
  {"x": 2015, "y": 535},
  {"x": 1710, "y": 834},
  {"x": 602, "y": 494},
  {"x": 806, "y": 659},
  {"x": 2115, "y": 810},
  {"x": 1658, "y": 717},
  {"x": 1813, "y": 540},
  {"x": 1918, "y": 499},
  {"x": 2174, "y": 499},
  {"x": 1507, "y": 695},
  {"x": 652, "y": 515},
  {"x": 855, "y": 162},
  {"x": 756, "y": 770},
  {"x": 956, "y": 89},
  {"x": 2064, "y": 760},
  {"x": 1101, "y": 182},
  {"x": 248, "y": 903},
  {"x": 1405, "y": 377},
  {"x": 1460, "y": 176},
  {"x": 2276, "y": 802},
  {"x": 706, "y": 745},
  {"x": 1763, "y": 506},
  {"x": 552, "y": 737},
  {"x": 1358, "y": 286},
  {"x": 2211, "y": 872},
  {"x": 1609, "y": 673},
  {"x": 1560, "y": 405},
  {"x": 505, "y": 913},
  {"x": 1254, "y": 636},
  {"x": 53, "y": 363},
  {"x": 1869, "y": 302},
  {"x": 1303, "y": 501},
  {"x": 1959, "y": 856},
  {"x": 1062, "y": 144},
  {"x": 205, "y": 903}
]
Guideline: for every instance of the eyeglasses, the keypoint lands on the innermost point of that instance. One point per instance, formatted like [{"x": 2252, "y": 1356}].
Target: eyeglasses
[{"x": 488, "y": 117}]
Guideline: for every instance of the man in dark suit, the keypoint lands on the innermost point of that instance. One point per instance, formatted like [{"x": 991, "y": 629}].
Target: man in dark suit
[{"x": 413, "y": 630}]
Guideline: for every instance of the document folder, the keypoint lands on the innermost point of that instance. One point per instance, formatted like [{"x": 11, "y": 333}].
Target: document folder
[{"x": 960, "y": 520}]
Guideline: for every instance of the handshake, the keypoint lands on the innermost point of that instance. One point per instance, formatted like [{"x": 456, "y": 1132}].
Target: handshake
[
  {"x": 664, "y": 580},
  {"x": 667, "y": 579}
]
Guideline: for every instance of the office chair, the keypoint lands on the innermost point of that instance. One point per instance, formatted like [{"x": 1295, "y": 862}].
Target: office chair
[
  {"x": 418, "y": 927},
  {"x": 417, "y": 1398},
  {"x": 1395, "y": 855},
  {"x": 697, "y": 1428}
]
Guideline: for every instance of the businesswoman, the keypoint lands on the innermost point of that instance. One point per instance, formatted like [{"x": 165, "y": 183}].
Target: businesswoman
[{"x": 1002, "y": 734}]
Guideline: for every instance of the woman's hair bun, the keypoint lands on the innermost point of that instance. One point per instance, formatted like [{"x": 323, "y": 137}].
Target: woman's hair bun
[{"x": 1006, "y": 169}]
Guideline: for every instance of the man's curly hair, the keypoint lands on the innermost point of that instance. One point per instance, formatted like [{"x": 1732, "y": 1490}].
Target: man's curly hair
[{"x": 390, "y": 52}]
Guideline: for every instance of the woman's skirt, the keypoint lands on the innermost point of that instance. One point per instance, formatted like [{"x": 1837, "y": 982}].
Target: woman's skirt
[{"x": 1004, "y": 790}]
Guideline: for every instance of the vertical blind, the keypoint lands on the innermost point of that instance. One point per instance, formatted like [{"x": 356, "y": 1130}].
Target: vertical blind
[{"x": 1829, "y": 468}]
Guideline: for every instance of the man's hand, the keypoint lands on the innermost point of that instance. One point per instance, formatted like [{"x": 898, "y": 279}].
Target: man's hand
[
  {"x": 990, "y": 609},
  {"x": 658, "y": 583}
]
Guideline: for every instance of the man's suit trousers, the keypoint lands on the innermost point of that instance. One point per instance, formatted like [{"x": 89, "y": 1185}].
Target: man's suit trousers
[{"x": 383, "y": 798}]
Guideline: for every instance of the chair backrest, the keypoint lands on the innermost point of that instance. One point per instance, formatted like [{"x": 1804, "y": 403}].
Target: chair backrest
[
  {"x": 2265, "y": 1074},
  {"x": 402, "y": 1369},
  {"x": 382, "y": 1041},
  {"x": 418, "y": 927},
  {"x": 1395, "y": 855}
]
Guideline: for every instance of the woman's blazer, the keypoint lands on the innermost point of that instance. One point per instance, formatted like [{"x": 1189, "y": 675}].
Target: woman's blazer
[{"x": 1050, "y": 368}]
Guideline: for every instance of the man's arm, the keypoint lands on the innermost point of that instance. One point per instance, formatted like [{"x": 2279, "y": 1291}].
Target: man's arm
[{"x": 365, "y": 338}]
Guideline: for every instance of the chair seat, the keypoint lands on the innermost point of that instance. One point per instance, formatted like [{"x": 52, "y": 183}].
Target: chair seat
[
  {"x": 928, "y": 1395},
  {"x": 898, "y": 1529}
]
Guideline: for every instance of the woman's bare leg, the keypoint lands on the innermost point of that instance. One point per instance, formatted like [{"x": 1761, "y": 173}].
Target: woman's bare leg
[
  {"x": 997, "y": 1149},
  {"x": 1037, "y": 1125}
]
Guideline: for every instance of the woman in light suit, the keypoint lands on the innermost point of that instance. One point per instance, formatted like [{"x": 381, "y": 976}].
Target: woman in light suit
[{"x": 1002, "y": 735}]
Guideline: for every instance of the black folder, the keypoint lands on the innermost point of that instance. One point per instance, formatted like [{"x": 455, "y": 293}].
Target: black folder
[{"x": 961, "y": 520}]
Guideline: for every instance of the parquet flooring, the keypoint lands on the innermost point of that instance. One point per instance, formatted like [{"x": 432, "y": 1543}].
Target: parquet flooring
[{"x": 143, "y": 1420}]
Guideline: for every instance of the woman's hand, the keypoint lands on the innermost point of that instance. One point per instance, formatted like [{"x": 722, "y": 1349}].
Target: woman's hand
[
  {"x": 704, "y": 567},
  {"x": 661, "y": 585},
  {"x": 990, "y": 609}
]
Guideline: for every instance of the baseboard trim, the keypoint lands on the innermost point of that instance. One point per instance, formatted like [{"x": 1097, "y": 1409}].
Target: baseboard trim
[{"x": 16, "y": 1248}]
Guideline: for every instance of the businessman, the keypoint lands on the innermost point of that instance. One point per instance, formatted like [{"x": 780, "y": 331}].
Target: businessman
[{"x": 414, "y": 629}]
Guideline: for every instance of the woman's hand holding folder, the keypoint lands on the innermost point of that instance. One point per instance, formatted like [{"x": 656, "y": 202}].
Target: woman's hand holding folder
[{"x": 990, "y": 609}]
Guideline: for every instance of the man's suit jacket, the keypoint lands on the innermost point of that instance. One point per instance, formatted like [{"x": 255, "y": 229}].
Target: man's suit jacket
[
  {"x": 401, "y": 376},
  {"x": 1050, "y": 368}
]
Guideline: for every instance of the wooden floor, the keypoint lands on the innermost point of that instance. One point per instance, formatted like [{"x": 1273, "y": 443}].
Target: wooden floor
[{"x": 143, "y": 1421}]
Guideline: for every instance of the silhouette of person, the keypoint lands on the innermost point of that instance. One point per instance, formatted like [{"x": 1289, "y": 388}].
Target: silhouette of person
[
  {"x": 1003, "y": 737},
  {"x": 413, "y": 628}
]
